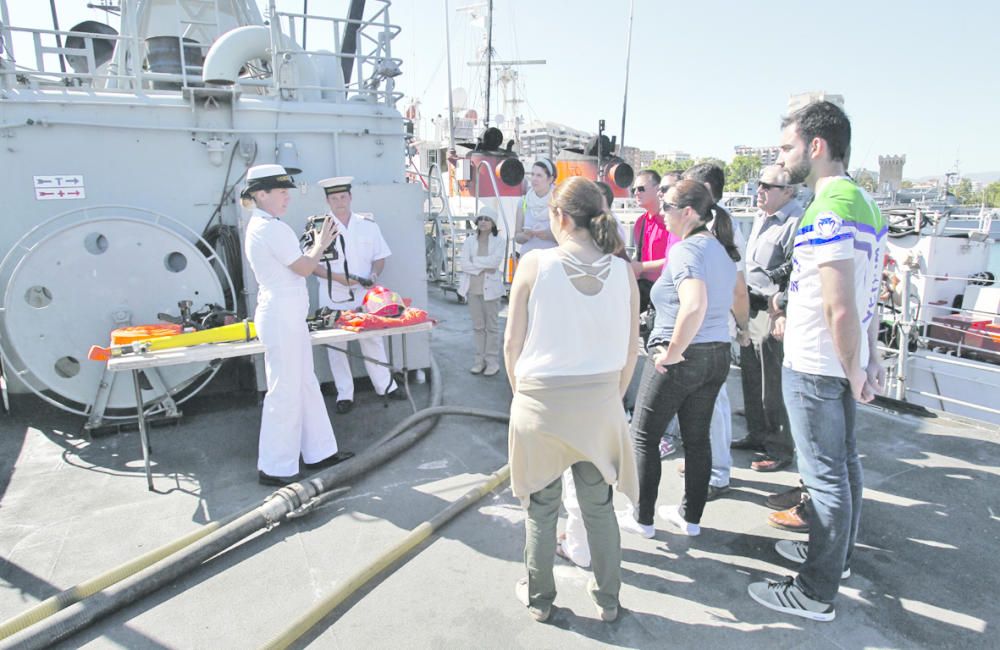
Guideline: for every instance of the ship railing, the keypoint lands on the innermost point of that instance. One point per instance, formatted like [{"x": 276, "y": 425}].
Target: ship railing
[
  {"x": 54, "y": 63},
  {"x": 508, "y": 225},
  {"x": 371, "y": 66},
  {"x": 914, "y": 327},
  {"x": 51, "y": 56},
  {"x": 445, "y": 242}
]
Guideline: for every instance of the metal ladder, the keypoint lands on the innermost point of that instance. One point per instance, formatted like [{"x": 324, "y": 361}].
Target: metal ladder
[{"x": 443, "y": 239}]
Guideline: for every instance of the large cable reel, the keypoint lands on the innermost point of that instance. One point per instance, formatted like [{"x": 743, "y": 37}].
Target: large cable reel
[{"x": 68, "y": 282}]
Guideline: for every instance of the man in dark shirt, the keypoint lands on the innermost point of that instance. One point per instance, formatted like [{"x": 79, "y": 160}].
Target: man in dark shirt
[{"x": 769, "y": 248}]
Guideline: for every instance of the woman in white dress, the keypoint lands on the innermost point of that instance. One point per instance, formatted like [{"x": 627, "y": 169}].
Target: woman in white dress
[{"x": 531, "y": 229}]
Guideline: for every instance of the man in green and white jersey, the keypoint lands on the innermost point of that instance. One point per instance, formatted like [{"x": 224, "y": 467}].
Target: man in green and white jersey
[{"x": 831, "y": 361}]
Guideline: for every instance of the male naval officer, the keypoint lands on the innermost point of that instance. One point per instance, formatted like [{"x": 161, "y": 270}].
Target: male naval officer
[{"x": 361, "y": 254}]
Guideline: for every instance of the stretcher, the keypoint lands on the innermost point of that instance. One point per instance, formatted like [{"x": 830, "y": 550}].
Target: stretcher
[{"x": 150, "y": 359}]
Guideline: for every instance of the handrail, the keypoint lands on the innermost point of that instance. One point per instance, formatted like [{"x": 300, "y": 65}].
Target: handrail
[
  {"x": 508, "y": 248},
  {"x": 912, "y": 330},
  {"x": 374, "y": 63}
]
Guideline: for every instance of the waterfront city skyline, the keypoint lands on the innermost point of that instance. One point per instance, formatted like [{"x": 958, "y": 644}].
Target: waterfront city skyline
[{"x": 705, "y": 77}]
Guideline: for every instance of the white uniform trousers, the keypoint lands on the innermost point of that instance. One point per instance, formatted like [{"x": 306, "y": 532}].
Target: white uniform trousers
[
  {"x": 373, "y": 348},
  {"x": 295, "y": 420},
  {"x": 340, "y": 366}
]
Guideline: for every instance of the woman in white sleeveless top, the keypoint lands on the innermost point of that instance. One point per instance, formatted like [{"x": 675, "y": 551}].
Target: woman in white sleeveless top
[
  {"x": 531, "y": 230},
  {"x": 570, "y": 348}
]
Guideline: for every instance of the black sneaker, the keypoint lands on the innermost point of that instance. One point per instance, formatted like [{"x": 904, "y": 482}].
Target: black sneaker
[
  {"x": 785, "y": 596},
  {"x": 714, "y": 492},
  {"x": 344, "y": 406}
]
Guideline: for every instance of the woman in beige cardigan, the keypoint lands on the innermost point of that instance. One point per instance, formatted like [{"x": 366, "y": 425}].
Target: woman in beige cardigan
[{"x": 482, "y": 287}]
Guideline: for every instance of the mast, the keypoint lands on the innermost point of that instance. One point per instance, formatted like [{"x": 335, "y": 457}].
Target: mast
[
  {"x": 628, "y": 58},
  {"x": 489, "y": 57},
  {"x": 451, "y": 108}
]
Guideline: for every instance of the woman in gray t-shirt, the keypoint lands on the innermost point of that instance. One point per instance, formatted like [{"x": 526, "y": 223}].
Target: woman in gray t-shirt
[{"x": 689, "y": 353}]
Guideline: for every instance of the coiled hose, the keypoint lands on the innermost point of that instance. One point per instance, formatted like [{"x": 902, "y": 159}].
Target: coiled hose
[{"x": 78, "y": 607}]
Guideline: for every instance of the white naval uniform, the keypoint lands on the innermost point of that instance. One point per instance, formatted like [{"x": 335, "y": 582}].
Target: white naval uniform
[
  {"x": 364, "y": 246},
  {"x": 295, "y": 420}
]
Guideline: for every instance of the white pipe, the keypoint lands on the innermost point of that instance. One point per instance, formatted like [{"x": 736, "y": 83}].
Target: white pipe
[{"x": 237, "y": 46}]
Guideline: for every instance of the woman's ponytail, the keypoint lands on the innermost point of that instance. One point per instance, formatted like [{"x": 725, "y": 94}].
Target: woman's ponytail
[
  {"x": 604, "y": 230},
  {"x": 722, "y": 228}
]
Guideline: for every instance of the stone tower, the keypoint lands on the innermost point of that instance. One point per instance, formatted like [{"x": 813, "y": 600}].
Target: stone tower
[{"x": 890, "y": 172}]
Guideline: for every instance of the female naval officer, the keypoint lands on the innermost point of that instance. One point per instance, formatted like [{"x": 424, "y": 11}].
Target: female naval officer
[{"x": 295, "y": 420}]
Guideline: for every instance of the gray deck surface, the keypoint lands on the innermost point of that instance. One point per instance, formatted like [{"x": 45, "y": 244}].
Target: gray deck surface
[{"x": 927, "y": 572}]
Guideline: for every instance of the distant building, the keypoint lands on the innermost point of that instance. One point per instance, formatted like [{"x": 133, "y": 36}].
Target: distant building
[
  {"x": 795, "y": 102},
  {"x": 631, "y": 155},
  {"x": 767, "y": 155},
  {"x": 646, "y": 158},
  {"x": 890, "y": 173},
  {"x": 547, "y": 139},
  {"x": 675, "y": 156}
]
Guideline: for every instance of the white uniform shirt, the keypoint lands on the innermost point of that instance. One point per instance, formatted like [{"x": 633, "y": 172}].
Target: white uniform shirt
[
  {"x": 364, "y": 245},
  {"x": 271, "y": 246}
]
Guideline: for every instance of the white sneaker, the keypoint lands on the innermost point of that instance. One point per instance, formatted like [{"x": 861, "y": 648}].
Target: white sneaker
[
  {"x": 627, "y": 522},
  {"x": 672, "y": 514},
  {"x": 798, "y": 551}
]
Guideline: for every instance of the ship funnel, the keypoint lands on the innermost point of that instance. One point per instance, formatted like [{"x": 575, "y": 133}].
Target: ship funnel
[
  {"x": 510, "y": 172},
  {"x": 103, "y": 48},
  {"x": 621, "y": 174}
]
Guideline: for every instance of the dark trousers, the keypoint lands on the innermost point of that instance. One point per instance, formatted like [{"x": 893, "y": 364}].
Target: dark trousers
[
  {"x": 767, "y": 419},
  {"x": 687, "y": 390}
]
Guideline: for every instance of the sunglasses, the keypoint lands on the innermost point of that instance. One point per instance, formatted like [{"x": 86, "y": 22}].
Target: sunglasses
[
  {"x": 769, "y": 186},
  {"x": 666, "y": 205},
  {"x": 638, "y": 189}
]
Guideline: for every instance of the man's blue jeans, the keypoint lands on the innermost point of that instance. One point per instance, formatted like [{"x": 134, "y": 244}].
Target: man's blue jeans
[{"x": 821, "y": 411}]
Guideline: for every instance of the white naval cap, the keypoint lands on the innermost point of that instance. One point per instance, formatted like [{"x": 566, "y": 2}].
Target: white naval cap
[
  {"x": 336, "y": 184},
  {"x": 266, "y": 177}
]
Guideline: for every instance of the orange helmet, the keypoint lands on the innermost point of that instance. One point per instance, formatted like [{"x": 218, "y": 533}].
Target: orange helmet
[{"x": 383, "y": 302}]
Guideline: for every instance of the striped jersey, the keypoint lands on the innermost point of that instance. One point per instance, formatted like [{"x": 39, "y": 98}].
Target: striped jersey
[{"x": 842, "y": 223}]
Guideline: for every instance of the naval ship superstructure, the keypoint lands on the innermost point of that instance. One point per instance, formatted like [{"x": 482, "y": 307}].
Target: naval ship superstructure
[{"x": 124, "y": 153}]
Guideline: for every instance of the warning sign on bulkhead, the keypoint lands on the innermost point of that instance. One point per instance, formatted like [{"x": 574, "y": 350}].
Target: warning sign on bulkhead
[{"x": 62, "y": 187}]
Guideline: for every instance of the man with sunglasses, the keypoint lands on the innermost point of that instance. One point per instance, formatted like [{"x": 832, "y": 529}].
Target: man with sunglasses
[
  {"x": 769, "y": 247},
  {"x": 650, "y": 234}
]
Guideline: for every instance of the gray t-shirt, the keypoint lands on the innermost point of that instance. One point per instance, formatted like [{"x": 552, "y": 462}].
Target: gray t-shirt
[{"x": 702, "y": 258}]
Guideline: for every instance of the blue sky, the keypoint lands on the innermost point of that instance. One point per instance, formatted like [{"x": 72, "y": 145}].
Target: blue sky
[{"x": 919, "y": 78}]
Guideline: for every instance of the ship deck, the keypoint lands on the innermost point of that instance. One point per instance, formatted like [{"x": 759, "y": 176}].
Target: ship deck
[{"x": 925, "y": 574}]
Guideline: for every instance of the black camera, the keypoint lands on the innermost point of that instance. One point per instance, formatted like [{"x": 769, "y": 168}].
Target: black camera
[
  {"x": 779, "y": 276},
  {"x": 313, "y": 225}
]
